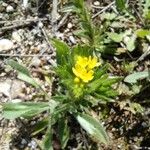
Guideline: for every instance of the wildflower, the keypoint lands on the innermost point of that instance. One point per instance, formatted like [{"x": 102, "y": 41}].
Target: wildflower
[{"x": 83, "y": 69}]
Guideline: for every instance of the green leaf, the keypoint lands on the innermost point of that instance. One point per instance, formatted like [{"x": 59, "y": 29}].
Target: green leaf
[
  {"x": 24, "y": 109},
  {"x": 94, "y": 85},
  {"x": 146, "y": 8},
  {"x": 27, "y": 79},
  {"x": 110, "y": 81},
  {"x": 130, "y": 42},
  {"x": 93, "y": 127},
  {"x": 120, "y": 4},
  {"x": 23, "y": 73},
  {"x": 115, "y": 36},
  {"x": 81, "y": 50},
  {"x": 142, "y": 33},
  {"x": 62, "y": 51},
  {"x": 81, "y": 33},
  {"x": 70, "y": 8},
  {"x": 102, "y": 98},
  {"x": 132, "y": 78},
  {"x": 108, "y": 16},
  {"x": 40, "y": 126},
  {"x": 63, "y": 132},
  {"x": 18, "y": 67},
  {"x": 47, "y": 142}
]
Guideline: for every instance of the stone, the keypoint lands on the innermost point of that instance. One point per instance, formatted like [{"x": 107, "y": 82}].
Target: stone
[
  {"x": 72, "y": 39},
  {"x": 9, "y": 9},
  {"x": 69, "y": 25},
  {"x": 96, "y": 3},
  {"x": 11, "y": 88},
  {"x": 35, "y": 62},
  {"x": 16, "y": 37},
  {"x": 17, "y": 88},
  {"x": 5, "y": 87},
  {"x": 6, "y": 45}
]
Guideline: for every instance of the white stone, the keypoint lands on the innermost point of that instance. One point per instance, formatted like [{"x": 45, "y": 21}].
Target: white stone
[
  {"x": 35, "y": 61},
  {"x": 16, "y": 36},
  {"x": 40, "y": 24},
  {"x": 72, "y": 39},
  {"x": 9, "y": 8},
  {"x": 5, "y": 88},
  {"x": 96, "y": 3},
  {"x": 11, "y": 88},
  {"x": 4, "y": 4},
  {"x": 25, "y": 3},
  {"x": 6, "y": 45},
  {"x": 17, "y": 87},
  {"x": 69, "y": 25}
]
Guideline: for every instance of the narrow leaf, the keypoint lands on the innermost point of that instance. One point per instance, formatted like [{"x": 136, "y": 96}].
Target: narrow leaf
[
  {"x": 47, "y": 142},
  {"x": 93, "y": 127},
  {"x": 18, "y": 67},
  {"x": 63, "y": 132},
  {"x": 40, "y": 126},
  {"x": 28, "y": 109},
  {"x": 23, "y": 73},
  {"x": 27, "y": 79}
]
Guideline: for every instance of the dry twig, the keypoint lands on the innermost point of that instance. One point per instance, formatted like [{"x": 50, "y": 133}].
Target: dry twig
[
  {"x": 19, "y": 23},
  {"x": 63, "y": 20},
  {"x": 104, "y": 9},
  {"x": 146, "y": 53}
]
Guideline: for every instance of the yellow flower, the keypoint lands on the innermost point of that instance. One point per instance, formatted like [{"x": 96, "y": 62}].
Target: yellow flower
[
  {"x": 92, "y": 62},
  {"x": 83, "y": 68},
  {"x": 82, "y": 61}
]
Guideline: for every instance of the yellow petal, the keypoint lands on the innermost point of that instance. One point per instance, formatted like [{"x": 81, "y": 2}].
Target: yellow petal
[
  {"x": 82, "y": 61},
  {"x": 92, "y": 62},
  {"x": 88, "y": 76}
]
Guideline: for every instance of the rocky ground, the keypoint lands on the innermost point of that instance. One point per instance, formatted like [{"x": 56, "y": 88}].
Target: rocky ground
[{"x": 25, "y": 30}]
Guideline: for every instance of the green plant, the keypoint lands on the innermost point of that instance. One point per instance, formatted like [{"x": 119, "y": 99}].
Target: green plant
[
  {"x": 92, "y": 34},
  {"x": 83, "y": 83}
]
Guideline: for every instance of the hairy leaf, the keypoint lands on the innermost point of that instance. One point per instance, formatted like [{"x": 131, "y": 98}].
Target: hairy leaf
[
  {"x": 133, "y": 78},
  {"x": 62, "y": 51},
  {"x": 93, "y": 127},
  {"x": 26, "y": 110}
]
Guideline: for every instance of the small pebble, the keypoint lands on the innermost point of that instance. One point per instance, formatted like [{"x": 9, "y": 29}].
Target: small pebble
[
  {"x": 96, "y": 3},
  {"x": 59, "y": 35},
  {"x": 119, "y": 146},
  {"x": 23, "y": 142},
  {"x": 6, "y": 45},
  {"x": 69, "y": 25},
  {"x": 32, "y": 144},
  {"x": 40, "y": 24},
  {"x": 9, "y": 8},
  {"x": 144, "y": 124},
  {"x": 4, "y": 4},
  {"x": 16, "y": 36},
  {"x": 72, "y": 39},
  {"x": 35, "y": 62}
]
